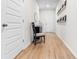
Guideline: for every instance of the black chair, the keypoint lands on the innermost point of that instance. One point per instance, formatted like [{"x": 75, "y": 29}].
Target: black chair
[{"x": 35, "y": 35}]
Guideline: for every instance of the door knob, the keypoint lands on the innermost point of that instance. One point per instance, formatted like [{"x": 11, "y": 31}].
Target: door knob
[{"x": 4, "y": 25}]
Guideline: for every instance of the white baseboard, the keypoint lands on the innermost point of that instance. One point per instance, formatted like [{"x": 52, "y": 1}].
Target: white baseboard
[
  {"x": 66, "y": 45},
  {"x": 27, "y": 45},
  {"x": 21, "y": 51}
]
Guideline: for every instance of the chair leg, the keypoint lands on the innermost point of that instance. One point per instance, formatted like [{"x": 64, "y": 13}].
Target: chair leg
[
  {"x": 44, "y": 39},
  {"x": 35, "y": 41},
  {"x": 41, "y": 39}
]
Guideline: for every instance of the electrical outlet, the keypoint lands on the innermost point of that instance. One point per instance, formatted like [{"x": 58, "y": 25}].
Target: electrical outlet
[
  {"x": 23, "y": 20},
  {"x": 23, "y": 40}
]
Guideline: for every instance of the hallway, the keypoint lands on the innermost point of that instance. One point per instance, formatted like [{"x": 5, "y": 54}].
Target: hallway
[
  {"x": 53, "y": 48},
  {"x": 25, "y": 21}
]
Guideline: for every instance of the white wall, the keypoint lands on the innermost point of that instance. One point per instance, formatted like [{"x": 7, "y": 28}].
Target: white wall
[
  {"x": 30, "y": 7},
  {"x": 68, "y": 31},
  {"x": 36, "y": 13},
  {"x": 47, "y": 18}
]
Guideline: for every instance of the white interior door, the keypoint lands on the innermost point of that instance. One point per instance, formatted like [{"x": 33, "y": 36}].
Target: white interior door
[
  {"x": 47, "y": 17},
  {"x": 12, "y": 28}
]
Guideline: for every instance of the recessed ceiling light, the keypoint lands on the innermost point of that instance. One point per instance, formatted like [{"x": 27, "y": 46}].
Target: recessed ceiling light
[{"x": 47, "y": 5}]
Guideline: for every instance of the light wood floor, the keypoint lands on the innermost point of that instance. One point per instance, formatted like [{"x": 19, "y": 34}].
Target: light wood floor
[{"x": 52, "y": 49}]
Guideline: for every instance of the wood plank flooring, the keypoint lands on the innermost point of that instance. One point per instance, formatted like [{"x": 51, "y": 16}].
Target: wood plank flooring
[{"x": 52, "y": 49}]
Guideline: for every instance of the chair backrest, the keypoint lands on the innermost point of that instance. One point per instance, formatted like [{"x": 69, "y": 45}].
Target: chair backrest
[{"x": 33, "y": 27}]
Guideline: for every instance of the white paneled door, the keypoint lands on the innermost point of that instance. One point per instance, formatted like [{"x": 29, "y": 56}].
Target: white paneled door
[
  {"x": 47, "y": 17},
  {"x": 12, "y": 28}
]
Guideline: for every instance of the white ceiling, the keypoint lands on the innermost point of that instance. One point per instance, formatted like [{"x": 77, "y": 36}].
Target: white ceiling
[{"x": 47, "y": 4}]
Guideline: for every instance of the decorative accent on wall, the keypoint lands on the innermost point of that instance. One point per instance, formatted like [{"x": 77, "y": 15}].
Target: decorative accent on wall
[
  {"x": 62, "y": 19},
  {"x": 35, "y": 17},
  {"x": 63, "y": 6}
]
